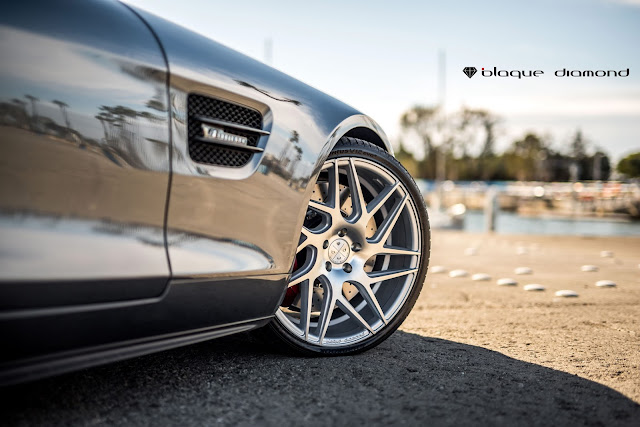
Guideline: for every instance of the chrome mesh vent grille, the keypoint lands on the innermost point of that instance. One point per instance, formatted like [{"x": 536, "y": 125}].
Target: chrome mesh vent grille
[{"x": 209, "y": 153}]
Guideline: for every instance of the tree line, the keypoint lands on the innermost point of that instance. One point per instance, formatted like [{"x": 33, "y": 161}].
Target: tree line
[{"x": 461, "y": 146}]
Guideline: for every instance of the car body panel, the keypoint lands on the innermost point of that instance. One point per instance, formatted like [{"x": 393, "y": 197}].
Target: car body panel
[
  {"x": 113, "y": 242},
  {"x": 259, "y": 207},
  {"x": 84, "y": 149}
]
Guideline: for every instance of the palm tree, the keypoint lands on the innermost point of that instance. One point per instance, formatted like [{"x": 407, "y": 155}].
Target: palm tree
[
  {"x": 33, "y": 99},
  {"x": 34, "y": 111},
  {"x": 63, "y": 108},
  {"x": 106, "y": 119}
]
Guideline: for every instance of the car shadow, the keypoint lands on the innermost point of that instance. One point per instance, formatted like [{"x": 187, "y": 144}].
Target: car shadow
[{"x": 409, "y": 379}]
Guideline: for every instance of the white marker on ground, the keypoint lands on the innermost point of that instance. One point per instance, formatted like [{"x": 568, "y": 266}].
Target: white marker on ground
[
  {"x": 437, "y": 269},
  {"x": 606, "y": 254},
  {"x": 458, "y": 273},
  {"x": 605, "y": 284},
  {"x": 507, "y": 282},
  {"x": 589, "y": 268},
  {"x": 523, "y": 270},
  {"x": 481, "y": 277},
  {"x": 566, "y": 293},
  {"x": 534, "y": 287}
]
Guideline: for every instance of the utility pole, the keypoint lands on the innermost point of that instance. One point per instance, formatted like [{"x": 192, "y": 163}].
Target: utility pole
[
  {"x": 440, "y": 155},
  {"x": 442, "y": 78},
  {"x": 268, "y": 51},
  {"x": 441, "y": 167},
  {"x": 597, "y": 167}
]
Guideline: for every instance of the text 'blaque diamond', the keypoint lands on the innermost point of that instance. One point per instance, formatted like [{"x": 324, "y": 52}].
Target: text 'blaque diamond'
[{"x": 469, "y": 71}]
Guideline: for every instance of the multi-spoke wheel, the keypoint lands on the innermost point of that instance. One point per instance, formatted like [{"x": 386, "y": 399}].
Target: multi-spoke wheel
[{"x": 362, "y": 254}]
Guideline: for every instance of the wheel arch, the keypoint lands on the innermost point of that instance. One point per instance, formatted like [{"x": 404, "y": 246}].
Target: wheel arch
[
  {"x": 362, "y": 127},
  {"x": 367, "y": 134}
]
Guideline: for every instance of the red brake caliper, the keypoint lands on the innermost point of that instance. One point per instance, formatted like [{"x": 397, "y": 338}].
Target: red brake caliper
[{"x": 291, "y": 291}]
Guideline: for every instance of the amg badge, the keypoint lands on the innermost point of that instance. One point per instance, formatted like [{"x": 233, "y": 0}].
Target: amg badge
[{"x": 217, "y": 134}]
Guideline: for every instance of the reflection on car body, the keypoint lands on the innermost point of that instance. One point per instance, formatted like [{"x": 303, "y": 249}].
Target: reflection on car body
[{"x": 126, "y": 227}]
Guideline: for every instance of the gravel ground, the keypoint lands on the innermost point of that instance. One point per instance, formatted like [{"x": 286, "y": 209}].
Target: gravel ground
[{"x": 470, "y": 352}]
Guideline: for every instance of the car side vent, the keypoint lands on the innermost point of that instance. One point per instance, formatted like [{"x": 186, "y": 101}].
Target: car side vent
[{"x": 222, "y": 133}]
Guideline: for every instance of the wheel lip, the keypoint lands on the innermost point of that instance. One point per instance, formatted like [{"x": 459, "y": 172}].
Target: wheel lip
[{"x": 419, "y": 262}]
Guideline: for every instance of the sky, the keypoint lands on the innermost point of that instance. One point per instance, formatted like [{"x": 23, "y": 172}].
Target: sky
[{"x": 381, "y": 57}]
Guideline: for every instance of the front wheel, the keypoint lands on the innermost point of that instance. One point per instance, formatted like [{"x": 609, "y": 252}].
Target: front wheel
[{"x": 362, "y": 255}]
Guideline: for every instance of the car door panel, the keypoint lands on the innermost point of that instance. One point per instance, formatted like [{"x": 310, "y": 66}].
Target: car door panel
[{"x": 84, "y": 155}]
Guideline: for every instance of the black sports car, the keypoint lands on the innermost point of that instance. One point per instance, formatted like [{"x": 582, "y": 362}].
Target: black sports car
[{"x": 159, "y": 189}]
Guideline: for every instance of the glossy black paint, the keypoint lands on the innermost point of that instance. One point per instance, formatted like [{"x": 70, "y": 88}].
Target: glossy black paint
[
  {"x": 226, "y": 302},
  {"x": 113, "y": 242},
  {"x": 32, "y": 369}
]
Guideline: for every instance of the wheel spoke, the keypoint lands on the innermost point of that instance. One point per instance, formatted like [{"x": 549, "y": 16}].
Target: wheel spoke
[
  {"x": 328, "y": 304},
  {"x": 384, "y": 230},
  {"x": 307, "y": 234},
  {"x": 370, "y": 298},
  {"x": 357, "y": 199},
  {"x": 314, "y": 204},
  {"x": 305, "y": 271},
  {"x": 380, "y": 276},
  {"x": 380, "y": 199},
  {"x": 394, "y": 250},
  {"x": 344, "y": 195},
  {"x": 351, "y": 312},
  {"x": 306, "y": 297},
  {"x": 299, "y": 278},
  {"x": 334, "y": 186}
]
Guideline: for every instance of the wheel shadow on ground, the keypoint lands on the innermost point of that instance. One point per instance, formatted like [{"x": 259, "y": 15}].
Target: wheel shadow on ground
[{"x": 409, "y": 379}]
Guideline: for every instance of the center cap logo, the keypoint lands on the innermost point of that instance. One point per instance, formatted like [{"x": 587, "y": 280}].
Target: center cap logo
[{"x": 339, "y": 251}]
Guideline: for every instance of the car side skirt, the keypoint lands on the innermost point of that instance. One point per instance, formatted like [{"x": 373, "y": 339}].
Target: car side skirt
[
  {"x": 56, "y": 364},
  {"x": 41, "y": 342}
]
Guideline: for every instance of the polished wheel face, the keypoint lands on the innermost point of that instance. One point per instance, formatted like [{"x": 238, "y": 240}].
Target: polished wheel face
[{"x": 358, "y": 256}]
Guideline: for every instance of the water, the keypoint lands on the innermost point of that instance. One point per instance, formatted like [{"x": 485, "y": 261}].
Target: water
[
  {"x": 512, "y": 223},
  {"x": 428, "y": 185}
]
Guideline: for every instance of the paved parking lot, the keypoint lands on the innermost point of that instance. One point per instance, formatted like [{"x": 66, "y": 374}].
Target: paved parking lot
[{"x": 470, "y": 352}]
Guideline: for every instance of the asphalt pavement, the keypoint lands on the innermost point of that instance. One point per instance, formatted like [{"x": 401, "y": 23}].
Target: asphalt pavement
[
  {"x": 408, "y": 380},
  {"x": 470, "y": 353}
]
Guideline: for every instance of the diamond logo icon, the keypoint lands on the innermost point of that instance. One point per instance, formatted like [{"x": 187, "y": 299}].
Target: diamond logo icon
[{"x": 469, "y": 71}]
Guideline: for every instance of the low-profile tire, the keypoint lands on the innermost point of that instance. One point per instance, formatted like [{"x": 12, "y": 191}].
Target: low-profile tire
[{"x": 362, "y": 256}]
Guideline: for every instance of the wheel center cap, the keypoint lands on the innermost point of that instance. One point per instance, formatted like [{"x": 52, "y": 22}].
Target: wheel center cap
[{"x": 339, "y": 251}]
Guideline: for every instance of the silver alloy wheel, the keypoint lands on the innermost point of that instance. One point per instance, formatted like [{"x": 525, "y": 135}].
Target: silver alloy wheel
[{"x": 358, "y": 255}]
